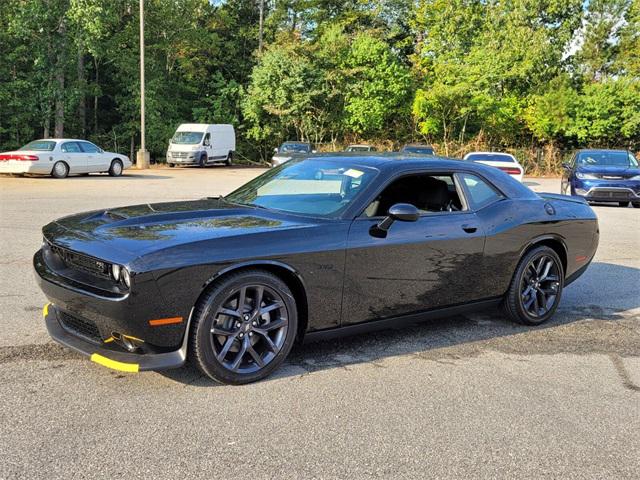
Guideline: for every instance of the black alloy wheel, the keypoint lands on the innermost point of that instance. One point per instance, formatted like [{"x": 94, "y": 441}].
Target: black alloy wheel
[
  {"x": 536, "y": 287},
  {"x": 244, "y": 327}
]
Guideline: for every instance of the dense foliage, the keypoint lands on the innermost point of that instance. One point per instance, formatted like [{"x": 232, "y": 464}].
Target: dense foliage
[{"x": 520, "y": 75}]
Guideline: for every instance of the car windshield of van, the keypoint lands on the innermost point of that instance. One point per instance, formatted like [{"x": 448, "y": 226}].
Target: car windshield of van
[
  {"x": 607, "y": 159},
  {"x": 309, "y": 187},
  {"x": 490, "y": 157},
  {"x": 39, "y": 146},
  {"x": 295, "y": 147},
  {"x": 187, "y": 138}
]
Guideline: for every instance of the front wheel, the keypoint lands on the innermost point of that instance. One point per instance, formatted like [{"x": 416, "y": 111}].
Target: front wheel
[
  {"x": 243, "y": 327},
  {"x": 636, "y": 204},
  {"x": 115, "y": 170},
  {"x": 203, "y": 161},
  {"x": 536, "y": 287},
  {"x": 624, "y": 204},
  {"x": 229, "y": 159}
]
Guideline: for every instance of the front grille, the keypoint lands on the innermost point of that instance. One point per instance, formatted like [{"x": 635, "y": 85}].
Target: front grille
[
  {"x": 182, "y": 155},
  {"x": 602, "y": 193},
  {"x": 81, "y": 262},
  {"x": 80, "y": 327}
]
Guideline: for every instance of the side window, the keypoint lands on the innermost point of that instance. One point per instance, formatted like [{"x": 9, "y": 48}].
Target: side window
[
  {"x": 89, "y": 147},
  {"x": 70, "y": 147},
  {"x": 428, "y": 193},
  {"x": 207, "y": 140},
  {"x": 481, "y": 193}
]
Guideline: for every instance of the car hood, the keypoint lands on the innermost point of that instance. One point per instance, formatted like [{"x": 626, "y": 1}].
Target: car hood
[
  {"x": 125, "y": 233},
  {"x": 610, "y": 170}
]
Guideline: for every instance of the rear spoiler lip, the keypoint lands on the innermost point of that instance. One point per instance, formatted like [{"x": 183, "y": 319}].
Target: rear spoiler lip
[{"x": 566, "y": 198}]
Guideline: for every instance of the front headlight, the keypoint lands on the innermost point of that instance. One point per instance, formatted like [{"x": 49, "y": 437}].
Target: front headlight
[
  {"x": 115, "y": 271},
  {"x": 586, "y": 176},
  {"x": 126, "y": 277}
]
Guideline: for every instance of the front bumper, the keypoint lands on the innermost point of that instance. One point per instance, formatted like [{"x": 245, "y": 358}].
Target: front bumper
[
  {"x": 607, "y": 191},
  {"x": 108, "y": 355}
]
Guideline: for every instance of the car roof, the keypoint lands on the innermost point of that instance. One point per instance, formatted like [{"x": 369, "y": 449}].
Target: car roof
[
  {"x": 602, "y": 150},
  {"x": 489, "y": 153},
  {"x": 359, "y": 145},
  {"x": 297, "y": 142},
  {"x": 391, "y": 163},
  {"x": 418, "y": 145}
]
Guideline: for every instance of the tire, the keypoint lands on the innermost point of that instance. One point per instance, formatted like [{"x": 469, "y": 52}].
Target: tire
[
  {"x": 636, "y": 204},
  {"x": 203, "y": 161},
  {"x": 229, "y": 160},
  {"x": 531, "y": 287},
  {"x": 116, "y": 168},
  {"x": 60, "y": 170},
  {"x": 171, "y": 165},
  {"x": 229, "y": 355},
  {"x": 624, "y": 204}
]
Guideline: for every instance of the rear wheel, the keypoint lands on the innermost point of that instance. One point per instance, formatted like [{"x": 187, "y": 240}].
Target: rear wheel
[
  {"x": 536, "y": 287},
  {"x": 636, "y": 204},
  {"x": 624, "y": 204},
  {"x": 115, "y": 170},
  {"x": 60, "y": 170},
  {"x": 244, "y": 327},
  {"x": 229, "y": 159}
]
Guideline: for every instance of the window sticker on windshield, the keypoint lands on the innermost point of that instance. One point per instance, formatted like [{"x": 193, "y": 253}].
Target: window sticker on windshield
[{"x": 354, "y": 173}]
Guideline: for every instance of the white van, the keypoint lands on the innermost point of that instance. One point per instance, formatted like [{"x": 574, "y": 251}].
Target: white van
[{"x": 201, "y": 144}]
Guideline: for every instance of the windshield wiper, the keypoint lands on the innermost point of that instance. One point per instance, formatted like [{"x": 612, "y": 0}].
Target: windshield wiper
[{"x": 246, "y": 204}]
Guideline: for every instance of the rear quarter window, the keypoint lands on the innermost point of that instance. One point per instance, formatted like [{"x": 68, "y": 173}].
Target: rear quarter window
[{"x": 481, "y": 193}]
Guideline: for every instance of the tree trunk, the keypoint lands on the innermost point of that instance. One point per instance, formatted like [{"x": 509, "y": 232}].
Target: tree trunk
[
  {"x": 59, "y": 83},
  {"x": 261, "y": 26},
  {"x": 82, "y": 103},
  {"x": 95, "y": 97}
]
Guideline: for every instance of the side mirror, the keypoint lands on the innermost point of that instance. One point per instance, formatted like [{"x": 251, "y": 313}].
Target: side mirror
[
  {"x": 275, "y": 150},
  {"x": 566, "y": 166},
  {"x": 403, "y": 212}
]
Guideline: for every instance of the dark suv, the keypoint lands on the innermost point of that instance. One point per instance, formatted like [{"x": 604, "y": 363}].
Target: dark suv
[{"x": 603, "y": 176}]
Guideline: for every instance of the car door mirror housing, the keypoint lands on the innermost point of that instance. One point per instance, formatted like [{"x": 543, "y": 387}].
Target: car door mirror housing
[
  {"x": 402, "y": 212},
  {"x": 566, "y": 166}
]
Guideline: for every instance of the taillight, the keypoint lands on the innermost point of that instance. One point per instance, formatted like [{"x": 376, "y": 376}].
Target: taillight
[
  {"x": 23, "y": 158},
  {"x": 511, "y": 170}
]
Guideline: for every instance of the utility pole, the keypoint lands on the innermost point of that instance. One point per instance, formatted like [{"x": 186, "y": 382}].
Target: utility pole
[{"x": 142, "y": 157}]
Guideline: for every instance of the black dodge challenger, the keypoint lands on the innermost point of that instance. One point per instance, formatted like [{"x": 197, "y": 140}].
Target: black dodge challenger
[{"x": 314, "y": 248}]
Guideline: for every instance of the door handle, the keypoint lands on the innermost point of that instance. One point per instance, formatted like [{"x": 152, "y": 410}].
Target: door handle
[{"x": 469, "y": 228}]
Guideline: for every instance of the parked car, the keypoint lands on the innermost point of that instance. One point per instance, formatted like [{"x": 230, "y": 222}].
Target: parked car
[
  {"x": 504, "y": 161},
  {"x": 603, "y": 176},
  {"x": 360, "y": 148},
  {"x": 418, "y": 148},
  {"x": 60, "y": 157},
  {"x": 202, "y": 144},
  {"x": 289, "y": 150},
  {"x": 232, "y": 282}
]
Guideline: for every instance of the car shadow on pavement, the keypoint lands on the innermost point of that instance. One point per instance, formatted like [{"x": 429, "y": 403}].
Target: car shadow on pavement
[{"x": 578, "y": 327}]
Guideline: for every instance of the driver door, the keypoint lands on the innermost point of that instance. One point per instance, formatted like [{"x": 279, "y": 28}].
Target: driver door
[{"x": 431, "y": 263}]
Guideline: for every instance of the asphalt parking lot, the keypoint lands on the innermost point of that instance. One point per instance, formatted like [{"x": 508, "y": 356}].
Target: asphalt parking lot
[{"x": 472, "y": 396}]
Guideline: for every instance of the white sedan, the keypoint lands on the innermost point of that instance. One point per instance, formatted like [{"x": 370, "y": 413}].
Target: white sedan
[
  {"x": 504, "y": 161},
  {"x": 60, "y": 157}
]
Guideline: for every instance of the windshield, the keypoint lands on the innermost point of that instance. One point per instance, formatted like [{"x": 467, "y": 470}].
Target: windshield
[
  {"x": 360, "y": 148},
  {"x": 295, "y": 147},
  {"x": 40, "y": 145},
  {"x": 309, "y": 187},
  {"x": 607, "y": 159},
  {"x": 187, "y": 138},
  {"x": 420, "y": 150},
  {"x": 490, "y": 157}
]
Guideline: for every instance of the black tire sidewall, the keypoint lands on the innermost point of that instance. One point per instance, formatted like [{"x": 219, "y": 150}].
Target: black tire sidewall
[
  {"x": 515, "y": 307},
  {"x": 203, "y": 354},
  {"x": 203, "y": 161}
]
